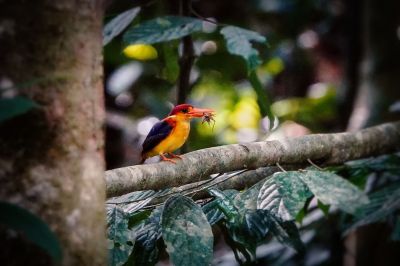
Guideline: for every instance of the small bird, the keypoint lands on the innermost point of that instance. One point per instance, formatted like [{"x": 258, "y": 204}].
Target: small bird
[{"x": 171, "y": 133}]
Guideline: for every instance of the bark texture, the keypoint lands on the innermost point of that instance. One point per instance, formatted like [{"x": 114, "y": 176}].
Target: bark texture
[
  {"x": 195, "y": 166},
  {"x": 51, "y": 159}
]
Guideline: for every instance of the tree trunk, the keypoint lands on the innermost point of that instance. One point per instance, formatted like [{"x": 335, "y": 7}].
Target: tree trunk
[
  {"x": 381, "y": 65},
  {"x": 378, "y": 91},
  {"x": 51, "y": 159}
]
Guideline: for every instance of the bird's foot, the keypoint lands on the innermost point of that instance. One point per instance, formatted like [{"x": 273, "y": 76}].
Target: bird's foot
[
  {"x": 163, "y": 158},
  {"x": 174, "y": 155}
]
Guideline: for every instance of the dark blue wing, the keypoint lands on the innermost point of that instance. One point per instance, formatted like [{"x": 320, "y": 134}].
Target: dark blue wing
[{"x": 158, "y": 132}]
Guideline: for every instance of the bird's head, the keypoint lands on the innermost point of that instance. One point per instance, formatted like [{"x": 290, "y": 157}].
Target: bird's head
[{"x": 188, "y": 111}]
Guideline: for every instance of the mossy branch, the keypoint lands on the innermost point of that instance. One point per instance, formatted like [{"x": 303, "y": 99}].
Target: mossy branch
[{"x": 323, "y": 149}]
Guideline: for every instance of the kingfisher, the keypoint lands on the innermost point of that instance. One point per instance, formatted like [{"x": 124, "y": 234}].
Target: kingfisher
[{"x": 171, "y": 133}]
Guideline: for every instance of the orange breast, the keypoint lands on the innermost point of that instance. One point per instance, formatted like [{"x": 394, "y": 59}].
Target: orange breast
[{"x": 175, "y": 140}]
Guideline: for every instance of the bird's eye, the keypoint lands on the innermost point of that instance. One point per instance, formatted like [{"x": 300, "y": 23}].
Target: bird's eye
[{"x": 185, "y": 111}]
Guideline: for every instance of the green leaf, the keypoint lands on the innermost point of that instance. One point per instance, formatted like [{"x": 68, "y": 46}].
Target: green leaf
[
  {"x": 302, "y": 213},
  {"x": 359, "y": 170},
  {"x": 263, "y": 98},
  {"x": 389, "y": 163},
  {"x": 225, "y": 204},
  {"x": 332, "y": 189},
  {"x": 247, "y": 231},
  {"x": 162, "y": 29},
  {"x": 213, "y": 212},
  {"x": 145, "y": 251},
  {"x": 238, "y": 42},
  {"x": 171, "y": 58},
  {"x": 118, "y": 24},
  {"x": 248, "y": 227},
  {"x": 212, "y": 209},
  {"x": 244, "y": 231},
  {"x": 253, "y": 226},
  {"x": 12, "y": 107},
  {"x": 119, "y": 235},
  {"x": 323, "y": 207},
  {"x": 377, "y": 199},
  {"x": 186, "y": 232},
  {"x": 248, "y": 198},
  {"x": 138, "y": 217},
  {"x": 285, "y": 232},
  {"x": 283, "y": 195},
  {"x": 382, "y": 204},
  {"x": 34, "y": 228}
]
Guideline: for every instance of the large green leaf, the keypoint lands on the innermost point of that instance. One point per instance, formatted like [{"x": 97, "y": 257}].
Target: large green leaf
[
  {"x": 283, "y": 195},
  {"x": 332, "y": 189},
  {"x": 238, "y": 42},
  {"x": 118, "y": 24},
  {"x": 145, "y": 251},
  {"x": 162, "y": 29},
  {"x": 32, "y": 227},
  {"x": 186, "y": 232},
  {"x": 12, "y": 107},
  {"x": 119, "y": 235}
]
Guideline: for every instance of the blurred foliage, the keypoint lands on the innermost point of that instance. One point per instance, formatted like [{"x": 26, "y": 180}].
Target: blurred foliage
[
  {"x": 19, "y": 220},
  {"x": 12, "y": 107},
  {"x": 313, "y": 113}
]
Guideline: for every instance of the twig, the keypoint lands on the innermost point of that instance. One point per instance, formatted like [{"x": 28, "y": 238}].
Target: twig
[
  {"x": 280, "y": 167},
  {"x": 313, "y": 164},
  {"x": 216, "y": 183},
  {"x": 194, "y": 12}
]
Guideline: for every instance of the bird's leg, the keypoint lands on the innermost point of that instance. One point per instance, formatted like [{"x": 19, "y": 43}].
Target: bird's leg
[
  {"x": 174, "y": 155},
  {"x": 163, "y": 158}
]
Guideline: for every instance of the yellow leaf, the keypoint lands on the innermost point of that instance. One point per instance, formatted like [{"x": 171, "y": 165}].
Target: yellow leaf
[{"x": 141, "y": 52}]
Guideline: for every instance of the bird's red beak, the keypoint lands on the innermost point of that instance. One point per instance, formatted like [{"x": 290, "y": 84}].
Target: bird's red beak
[{"x": 198, "y": 112}]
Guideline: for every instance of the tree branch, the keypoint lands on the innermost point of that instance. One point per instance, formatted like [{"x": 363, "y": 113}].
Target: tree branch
[{"x": 199, "y": 165}]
